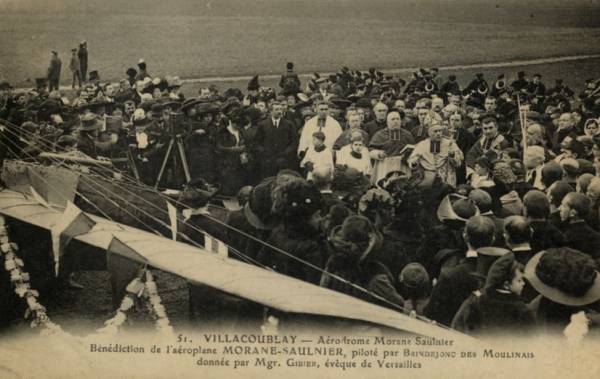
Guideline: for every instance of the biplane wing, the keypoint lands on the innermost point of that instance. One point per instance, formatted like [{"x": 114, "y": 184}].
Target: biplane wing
[{"x": 235, "y": 277}]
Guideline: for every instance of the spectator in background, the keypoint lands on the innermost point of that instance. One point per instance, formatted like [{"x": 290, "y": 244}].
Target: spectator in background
[
  {"x": 82, "y": 54},
  {"x": 289, "y": 82},
  {"x": 75, "y": 67},
  {"x": 53, "y": 75}
]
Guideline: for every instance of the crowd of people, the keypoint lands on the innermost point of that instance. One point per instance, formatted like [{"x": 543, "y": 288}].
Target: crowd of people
[{"x": 474, "y": 206}]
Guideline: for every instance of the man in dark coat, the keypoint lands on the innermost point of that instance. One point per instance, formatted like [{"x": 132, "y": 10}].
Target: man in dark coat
[
  {"x": 491, "y": 139},
  {"x": 521, "y": 83},
  {"x": 574, "y": 209},
  {"x": 498, "y": 308},
  {"x": 518, "y": 233},
  {"x": 142, "y": 70},
  {"x": 536, "y": 88},
  {"x": 82, "y": 53},
  {"x": 457, "y": 283},
  {"x": 450, "y": 87},
  {"x": 536, "y": 208},
  {"x": 448, "y": 235},
  {"x": 88, "y": 135},
  {"x": 54, "y": 72},
  {"x": 289, "y": 82},
  {"x": 380, "y": 121},
  {"x": 278, "y": 139},
  {"x": 483, "y": 201}
]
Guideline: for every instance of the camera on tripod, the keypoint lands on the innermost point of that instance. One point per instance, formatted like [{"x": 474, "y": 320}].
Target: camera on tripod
[{"x": 174, "y": 122}]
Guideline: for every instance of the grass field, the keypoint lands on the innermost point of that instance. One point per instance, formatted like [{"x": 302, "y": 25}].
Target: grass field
[{"x": 231, "y": 37}]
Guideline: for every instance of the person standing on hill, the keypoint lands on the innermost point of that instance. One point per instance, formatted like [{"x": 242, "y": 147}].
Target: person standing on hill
[
  {"x": 75, "y": 68},
  {"x": 289, "y": 82},
  {"x": 82, "y": 54},
  {"x": 54, "y": 71}
]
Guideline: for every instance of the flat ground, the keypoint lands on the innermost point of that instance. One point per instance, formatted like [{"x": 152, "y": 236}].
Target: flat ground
[{"x": 232, "y": 37}]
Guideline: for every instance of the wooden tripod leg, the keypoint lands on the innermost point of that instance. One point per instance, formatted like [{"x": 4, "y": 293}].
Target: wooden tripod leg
[
  {"x": 186, "y": 169},
  {"x": 164, "y": 163},
  {"x": 134, "y": 168}
]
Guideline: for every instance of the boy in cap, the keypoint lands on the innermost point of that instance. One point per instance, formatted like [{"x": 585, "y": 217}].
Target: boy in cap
[
  {"x": 499, "y": 307},
  {"x": 317, "y": 156}
]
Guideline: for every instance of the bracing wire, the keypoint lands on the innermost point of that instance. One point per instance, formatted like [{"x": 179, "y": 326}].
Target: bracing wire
[{"x": 266, "y": 244}]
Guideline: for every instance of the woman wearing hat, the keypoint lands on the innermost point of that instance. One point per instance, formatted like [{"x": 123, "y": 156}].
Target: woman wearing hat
[
  {"x": 351, "y": 247},
  {"x": 568, "y": 282},
  {"x": 231, "y": 151},
  {"x": 297, "y": 203},
  {"x": 200, "y": 139}
]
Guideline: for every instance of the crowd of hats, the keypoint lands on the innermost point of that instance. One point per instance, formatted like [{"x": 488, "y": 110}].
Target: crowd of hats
[{"x": 292, "y": 199}]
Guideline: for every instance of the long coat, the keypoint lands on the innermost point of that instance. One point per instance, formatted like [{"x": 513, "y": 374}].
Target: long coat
[
  {"x": 233, "y": 173},
  {"x": 453, "y": 287},
  {"x": 581, "y": 237},
  {"x": 300, "y": 242},
  {"x": 278, "y": 145},
  {"x": 82, "y": 53},
  {"x": 54, "y": 70},
  {"x": 370, "y": 274},
  {"x": 200, "y": 149},
  {"x": 493, "y": 313}
]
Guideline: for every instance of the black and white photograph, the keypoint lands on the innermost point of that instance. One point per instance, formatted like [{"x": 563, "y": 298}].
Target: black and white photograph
[{"x": 299, "y": 188}]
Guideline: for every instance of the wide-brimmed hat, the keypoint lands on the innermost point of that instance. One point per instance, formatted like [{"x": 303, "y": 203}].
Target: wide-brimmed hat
[
  {"x": 258, "y": 208},
  {"x": 492, "y": 251},
  {"x": 190, "y": 103},
  {"x": 174, "y": 105},
  {"x": 549, "y": 260},
  {"x": 456, "y": 207},
  {"x": 356, "y": 236}
]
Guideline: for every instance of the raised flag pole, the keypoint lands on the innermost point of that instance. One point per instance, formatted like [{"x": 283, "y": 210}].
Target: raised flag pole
[{"x": 523, "y": 122}]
